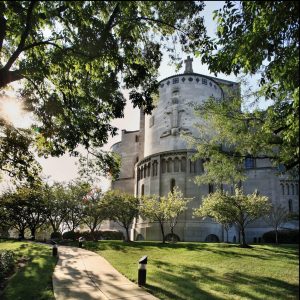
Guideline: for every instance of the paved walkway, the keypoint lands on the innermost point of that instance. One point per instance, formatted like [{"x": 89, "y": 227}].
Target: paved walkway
[{"x": 84, "y": 275}]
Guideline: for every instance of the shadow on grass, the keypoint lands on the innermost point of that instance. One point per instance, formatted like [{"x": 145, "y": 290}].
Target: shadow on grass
[{"x": 33, "y": 281}]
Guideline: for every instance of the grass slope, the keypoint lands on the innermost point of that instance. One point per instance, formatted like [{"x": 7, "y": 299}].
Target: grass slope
[
  {"x": 34, "y": 280},
  {"x": 208, "y": 271}
]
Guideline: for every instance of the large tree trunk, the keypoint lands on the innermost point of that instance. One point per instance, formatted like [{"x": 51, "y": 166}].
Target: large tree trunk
[
  {"x": 244, "y": 244},
  {"x": 127, "y": 234},
  {"x": 33, "y": 230}
]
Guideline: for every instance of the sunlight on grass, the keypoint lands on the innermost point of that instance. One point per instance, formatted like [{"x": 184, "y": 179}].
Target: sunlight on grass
[
  {"x": 208, "y": 271},
  {"x": 34, "y": 281}
]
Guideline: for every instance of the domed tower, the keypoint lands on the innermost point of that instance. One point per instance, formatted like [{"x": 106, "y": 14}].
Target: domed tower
[{"x": 167, "y": 158}]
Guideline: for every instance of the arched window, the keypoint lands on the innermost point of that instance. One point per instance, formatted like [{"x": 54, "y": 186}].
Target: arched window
[
  {"x": 287, "y": 189},
  {"x": 145, "y": 171},
  {"x": 183, "y": 164},
  {"x": 138, "y": 174},
  {"x": 176, "y": 164},
  {"x": 290, "y": 205},
  {"x": 163, "y": 166},
  {"x": 169, "y": 165},
  {"x": 292, "y": 189},
  {"x": 172, "y": 185},
  {"x": 154, "y": 168},
  {"x": 296, "y": 189},
  {"x": 192, "y": 166},
  {"x": 142, "y": 172},
  {"x": 148, "y": 169},
  {"x": 282, "y": 188},
  {"x": 143, "y": 190}
]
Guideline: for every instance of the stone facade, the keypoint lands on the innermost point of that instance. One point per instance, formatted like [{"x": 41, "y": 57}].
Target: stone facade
[{"x": 156, "y": 158}]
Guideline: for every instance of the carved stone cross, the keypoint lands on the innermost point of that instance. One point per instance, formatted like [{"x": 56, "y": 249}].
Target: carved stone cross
[{"x": 188, "y": 65}]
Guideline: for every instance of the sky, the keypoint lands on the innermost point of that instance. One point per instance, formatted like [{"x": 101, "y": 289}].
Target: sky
[{"x": 64, "y": 169}]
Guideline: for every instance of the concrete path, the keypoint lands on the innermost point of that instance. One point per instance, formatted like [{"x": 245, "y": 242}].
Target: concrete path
[{"x": 84, "y": 275}]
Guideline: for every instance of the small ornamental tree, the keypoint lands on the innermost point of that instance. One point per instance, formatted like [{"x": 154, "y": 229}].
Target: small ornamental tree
[
  {"x": 121, "y": 208},
  {"x": 276, "y": 217},
  {"x": 93, "y": 210},
  {"x": 164, "y": 209},
  {"x": 239, "y": 209}
]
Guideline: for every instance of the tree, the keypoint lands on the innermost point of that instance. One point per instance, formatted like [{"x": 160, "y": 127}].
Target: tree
[
  {"x": 121, "y": 208},
  {"x": 260, "y": 37},
  {"x": 239, "y": 209},
  {"x": 164, "y": 209},
  {"x": 73, "y": 58},
  {"x": 276, "y": 217},
  {"x": 24, "y": 208},
  {"x": 55, "y": 204},
  {"x": 152, "y": 208},
  {"x": 74, "y": 203},
  {"x": 94, "y": 210}
]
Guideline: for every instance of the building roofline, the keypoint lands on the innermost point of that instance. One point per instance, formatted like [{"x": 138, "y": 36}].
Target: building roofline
[{"x": 198, "y": 74}]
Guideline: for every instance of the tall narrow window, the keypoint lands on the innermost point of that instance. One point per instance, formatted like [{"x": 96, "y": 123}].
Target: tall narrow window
[
  {"x": 148, "y": 169},
  {"x": 296, "y": 189},
  {"x": 192, "y": 166},
  {"x": 176, "y": 164},
  {"x": 183, "y": 164},
  {"x": 145, "y": 171},
  {"x": 172, "y": 185},
  {"x": 292, "y": 189},
  {"x": 142, "y": 172},
  {"x": 290, "y": 205},
  {"x": 154, "y": 168},
  {"x": 282, "y": 188},
  {"x": 287, "y": 189},
  {"x": 143, "y": 190}
]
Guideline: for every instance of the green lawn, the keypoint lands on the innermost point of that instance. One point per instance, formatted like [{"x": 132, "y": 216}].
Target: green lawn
[
  {"x": 34, "y": 280},
  {"x": 208, "y": 271}
]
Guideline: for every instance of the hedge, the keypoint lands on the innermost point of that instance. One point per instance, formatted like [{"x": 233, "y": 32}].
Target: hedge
[
  {"x": 98, "y": 235},
  {"x": 284, "y": 236}
]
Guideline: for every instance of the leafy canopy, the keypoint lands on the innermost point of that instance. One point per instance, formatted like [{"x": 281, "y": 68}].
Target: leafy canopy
[
  {"x": 262, "y": 38},
  {"x": 73, "y": 58}
]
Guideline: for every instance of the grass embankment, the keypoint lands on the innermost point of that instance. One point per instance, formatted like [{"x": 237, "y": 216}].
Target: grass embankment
[
  {"x": 33, "y": 281},
  {"x": 208, "y": 271}
]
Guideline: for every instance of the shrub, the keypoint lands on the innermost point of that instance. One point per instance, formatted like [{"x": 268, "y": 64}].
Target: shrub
[
  {"x": 112, "y": 235},
  {"x": 7, "y": 263},
  {"x": 55, "y": 236},
  {"x": 284, "y": 236},
  {"x": 71, "y": 235}
]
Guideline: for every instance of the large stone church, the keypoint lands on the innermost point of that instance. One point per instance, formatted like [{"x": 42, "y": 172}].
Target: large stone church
[{"x": 156, "y": 158}]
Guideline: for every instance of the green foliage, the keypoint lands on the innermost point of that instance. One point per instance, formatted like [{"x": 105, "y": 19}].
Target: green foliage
[
  {"x": 55, "y": 235},
  {"x": 75, "y": 57},
  {"x": 94, "y": 210},
  {"x": 71, "y": 235},
  {"x": 164, "y": 209},
  {"x": 239, "y": 209},
  {"x": 121, "y": 208},
  {"x": 282, "y": 236},
  {"x": 261, "y": 37},
  {"x": 7, "y": 263}
]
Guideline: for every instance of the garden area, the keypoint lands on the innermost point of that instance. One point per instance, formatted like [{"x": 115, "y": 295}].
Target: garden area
[
  {"x": 174, "y": 271},
  {"x": 30, "y": 274}
]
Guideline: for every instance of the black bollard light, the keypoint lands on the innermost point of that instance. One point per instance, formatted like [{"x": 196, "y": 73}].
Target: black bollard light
[
  {"x": 142, "y": 271},
  {"x": 54, "y": 248}
]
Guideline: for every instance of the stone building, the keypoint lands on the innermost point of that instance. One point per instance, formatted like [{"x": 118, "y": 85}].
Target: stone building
[{"x": 156, "y": 158}]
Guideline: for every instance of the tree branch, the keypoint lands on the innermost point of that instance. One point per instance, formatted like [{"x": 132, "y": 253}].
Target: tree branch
[
  {"x": 24, "y": 36},
  {"x": 2, "y": 25}
]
